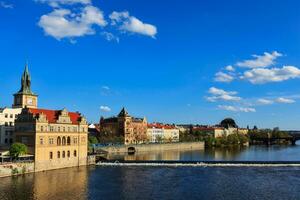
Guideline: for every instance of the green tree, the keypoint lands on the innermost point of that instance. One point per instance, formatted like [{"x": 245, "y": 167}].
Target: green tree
[
  {"x": 17, "y": 149},
  {"x": 93, "y": 140}
]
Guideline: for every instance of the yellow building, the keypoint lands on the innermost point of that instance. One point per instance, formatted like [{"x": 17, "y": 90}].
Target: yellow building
[{"x": 56, "y": 138}]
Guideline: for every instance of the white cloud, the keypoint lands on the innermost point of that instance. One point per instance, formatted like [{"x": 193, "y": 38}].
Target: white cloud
[
  {"x": 265, "y": 101},
  {"x": 236, "y": 108},
  {"x": 62, "y": 23},
  {"x": 284, "y": 100},
  {"x": 222, "y": 95},
  {"x": 105, "y": 87},
  {"x": 105, "y": 109},
  {"x": 217, "y": 91},
  {"x": 110, "y": 37},
  {"x": 230, "y": 68},
  {"x": 223, "y": 77},
  {"x": 260, "y": 60},
  {"x": 262, "y": 75},
  {"x": 57, "y": 3},
  {"x": 6, "y": 5},
  {"x": 131, "y": 24}
]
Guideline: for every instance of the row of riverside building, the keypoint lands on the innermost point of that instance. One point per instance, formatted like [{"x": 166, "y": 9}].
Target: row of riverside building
[
  {"x": 59, "y": 138},
  {"x": 138, "y": 130}
]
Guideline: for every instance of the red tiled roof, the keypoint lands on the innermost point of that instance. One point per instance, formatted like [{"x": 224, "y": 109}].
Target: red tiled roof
[
  {"x": 207, "y": 128},
  {"x": 157, "y": 125},
  {"x": 52, "y": 115}
]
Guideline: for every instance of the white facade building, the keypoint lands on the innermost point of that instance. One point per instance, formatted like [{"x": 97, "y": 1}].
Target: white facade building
[
  {"x": 7, "y": 125},
  {"x": 162, "y": 133}
]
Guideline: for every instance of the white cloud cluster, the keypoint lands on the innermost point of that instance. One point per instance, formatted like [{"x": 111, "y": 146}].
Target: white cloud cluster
[
  {"x": 236, "y": 108},
  {"x": 57, "y": 3},
  {"x": 63, "y": 23},
  {"x": 263, "y": 75},
  {"x": 222, "y": 95},
  {"x": 281, "y": 100},
  {"x": 284, "y": 100},
  {"x": 223, "y": 77},
  {"x": 265, "y": 101},
  {"x": 230, "y": 68},
  {"x": 131, "y": 24},
  {"x": 260, "y": 61},
  {"x": 105, "y": 109},
  {"x": 6, "y": 5},
  {"x": 66, "y": 21}
]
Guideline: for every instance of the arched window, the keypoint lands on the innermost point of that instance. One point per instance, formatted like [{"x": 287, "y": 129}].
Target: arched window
[
  {"x": 63, "y": 154},
  {"x": 58, "y": 154},
  {"x": 68, "y": 154},
  {"x": 58, "y": 141},
  {"x": 64, "y": 140},
  {"x": 68, "y": 140},
  {"x": 51, "y": 155},
  {"x": 75, "y": 153}
]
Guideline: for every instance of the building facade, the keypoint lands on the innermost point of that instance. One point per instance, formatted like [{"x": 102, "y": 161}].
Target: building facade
[
  {"x": 56, "y": 138},
  {"x": 134, "y": 130},
  {"x": 217, "y": 131},
  {"x": 7, "y": 125},
  {"x": 157, "y": 133}
]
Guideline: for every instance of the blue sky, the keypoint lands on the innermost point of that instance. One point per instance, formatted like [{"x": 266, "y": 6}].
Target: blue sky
[{"x": 171, "y": 61}]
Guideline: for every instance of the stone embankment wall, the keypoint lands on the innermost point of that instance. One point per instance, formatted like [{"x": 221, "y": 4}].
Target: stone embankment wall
[
  {"x": 11, "y": 169},
  {"x": 155, "y": 147}
]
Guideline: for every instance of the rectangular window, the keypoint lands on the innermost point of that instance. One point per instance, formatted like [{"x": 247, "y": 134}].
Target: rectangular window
[
  {"x": 51, "y": 141},
  {"x": 51, "y": 155},
  {"x": 41, "y": 141}
]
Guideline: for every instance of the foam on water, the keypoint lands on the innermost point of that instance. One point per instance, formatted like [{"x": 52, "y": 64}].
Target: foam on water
[{"x": 198, "y": 164}]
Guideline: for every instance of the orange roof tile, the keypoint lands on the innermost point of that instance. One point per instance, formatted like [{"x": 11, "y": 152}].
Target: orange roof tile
[{"x": 52, "y": 115}]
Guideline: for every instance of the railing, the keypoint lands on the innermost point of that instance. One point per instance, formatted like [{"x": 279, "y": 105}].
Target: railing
[{"x": 21, "y": 159}]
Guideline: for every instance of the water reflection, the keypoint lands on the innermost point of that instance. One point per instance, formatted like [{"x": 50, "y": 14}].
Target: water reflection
[
  {"x": 252, "y": 153},
  {"x": 62, "y": 184}
]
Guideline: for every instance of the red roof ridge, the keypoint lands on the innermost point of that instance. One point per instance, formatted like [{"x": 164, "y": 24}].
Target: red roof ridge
[{"x": 52, "y": 115}]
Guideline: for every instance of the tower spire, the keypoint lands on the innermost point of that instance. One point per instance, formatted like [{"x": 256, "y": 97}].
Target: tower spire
[{"x": 26, "y": 81}]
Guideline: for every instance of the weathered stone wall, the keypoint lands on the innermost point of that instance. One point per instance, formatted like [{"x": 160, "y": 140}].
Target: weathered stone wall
[
  {"x": 155, "y": 147},
  {"x": 11, "y": 169}
]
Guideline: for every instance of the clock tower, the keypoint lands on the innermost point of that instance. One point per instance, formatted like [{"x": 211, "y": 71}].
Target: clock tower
[{"x": 25, "y": 97}]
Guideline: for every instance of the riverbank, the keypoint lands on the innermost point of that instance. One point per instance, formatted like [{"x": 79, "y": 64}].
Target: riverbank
[
  {"x": 14, "y": 169},
  {"x": 153, "y": 147}
]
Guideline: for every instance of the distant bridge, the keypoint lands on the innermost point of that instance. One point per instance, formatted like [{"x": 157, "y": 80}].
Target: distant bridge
[{"x": 292, "y": 138}]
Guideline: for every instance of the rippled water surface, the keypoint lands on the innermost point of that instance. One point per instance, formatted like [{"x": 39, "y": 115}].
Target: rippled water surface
[
  {"x": 150, "y": 182},
  {"x": 155, "y": 183}
]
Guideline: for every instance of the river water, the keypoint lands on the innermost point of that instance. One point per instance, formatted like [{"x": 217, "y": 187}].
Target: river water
[{"x": 154, "y": 182}]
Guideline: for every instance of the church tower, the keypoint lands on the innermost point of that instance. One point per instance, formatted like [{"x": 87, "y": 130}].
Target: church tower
[{"x": 25, "y": 97}]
